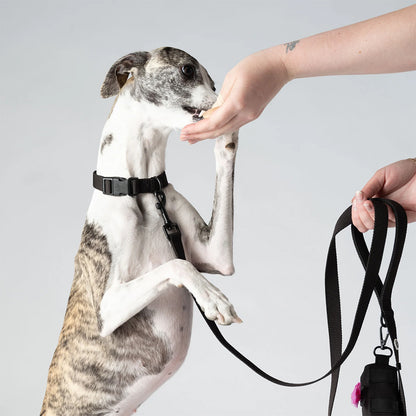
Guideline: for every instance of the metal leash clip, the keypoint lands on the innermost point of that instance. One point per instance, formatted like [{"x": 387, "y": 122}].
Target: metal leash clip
[
  {"x": 169, "y": 227},
  {"x": 384, "y": 336}
]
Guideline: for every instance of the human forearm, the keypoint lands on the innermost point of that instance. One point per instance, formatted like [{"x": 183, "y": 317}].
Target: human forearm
[
  {"x": 380, "y": 45},
  {"x": 383, "y": 44}
]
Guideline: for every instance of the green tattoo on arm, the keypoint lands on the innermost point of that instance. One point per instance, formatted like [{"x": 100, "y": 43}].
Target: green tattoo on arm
[{"x": 291, "y": 45}]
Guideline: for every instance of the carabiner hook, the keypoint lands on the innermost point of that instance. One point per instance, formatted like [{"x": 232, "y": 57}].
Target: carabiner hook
[{"x": 383, "y": 337}]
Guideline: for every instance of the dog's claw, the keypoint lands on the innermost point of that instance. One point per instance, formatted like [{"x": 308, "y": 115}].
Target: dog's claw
[{"x": 221, "y": 319}]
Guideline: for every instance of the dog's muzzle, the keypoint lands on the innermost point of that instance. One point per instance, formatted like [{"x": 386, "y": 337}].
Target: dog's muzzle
[{"x": 196, "y": 112}]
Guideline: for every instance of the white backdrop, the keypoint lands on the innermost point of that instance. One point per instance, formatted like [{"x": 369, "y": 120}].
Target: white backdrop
[{"x": 297, "y": 169}]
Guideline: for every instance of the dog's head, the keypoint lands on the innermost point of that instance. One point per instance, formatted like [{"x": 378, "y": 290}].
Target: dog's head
[{"x": 167, "y": 78}]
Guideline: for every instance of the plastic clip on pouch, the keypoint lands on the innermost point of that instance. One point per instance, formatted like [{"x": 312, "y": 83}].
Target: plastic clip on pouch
[{"x": 380, "y": 390}]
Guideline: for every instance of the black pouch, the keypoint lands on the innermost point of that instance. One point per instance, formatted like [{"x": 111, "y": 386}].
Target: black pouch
[{"x": 380, "y": 389}]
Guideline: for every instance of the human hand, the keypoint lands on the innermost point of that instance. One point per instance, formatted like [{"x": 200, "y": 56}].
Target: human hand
[
  {"x": 397, "y": 182},
  {"x": 246, "y": 91}
]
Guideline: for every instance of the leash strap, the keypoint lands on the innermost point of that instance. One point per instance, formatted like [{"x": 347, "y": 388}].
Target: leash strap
[
  {"x": 371, "y": 261},
  {"x": 384, "y": 291},
  {"x": 118, "y": 186}
]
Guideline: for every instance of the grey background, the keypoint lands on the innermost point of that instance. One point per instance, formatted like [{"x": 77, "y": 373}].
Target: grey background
[{"x": 297, "y": 169}]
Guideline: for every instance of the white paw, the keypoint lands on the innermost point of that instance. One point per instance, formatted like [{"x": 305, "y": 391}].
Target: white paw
[
  {"x": 212, "y": 301},
  {"x": 216, "y": 305}
]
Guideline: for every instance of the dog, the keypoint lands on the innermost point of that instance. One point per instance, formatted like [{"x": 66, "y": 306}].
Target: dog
[{"x": 128, "y": 320}]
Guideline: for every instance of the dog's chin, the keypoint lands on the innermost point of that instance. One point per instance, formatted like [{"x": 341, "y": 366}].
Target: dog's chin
[{"x": 183, "y": 121}]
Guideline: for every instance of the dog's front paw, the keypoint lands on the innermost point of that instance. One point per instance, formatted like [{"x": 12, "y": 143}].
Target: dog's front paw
[{"x": 216, "y": 306}]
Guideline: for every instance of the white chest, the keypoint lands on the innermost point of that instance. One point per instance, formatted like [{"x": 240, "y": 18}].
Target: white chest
[{"x": 139, "y": 245}]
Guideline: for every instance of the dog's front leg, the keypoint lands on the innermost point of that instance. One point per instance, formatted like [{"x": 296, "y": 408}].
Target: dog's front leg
[
  {"x": 212, "y": 249},
  {"x": 121, "y": 301}
]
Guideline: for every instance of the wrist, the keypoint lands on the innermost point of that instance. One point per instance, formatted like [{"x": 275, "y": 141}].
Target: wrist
[
  {"x": 282, "y": 56},
  {"x": 273, "y": 59}
]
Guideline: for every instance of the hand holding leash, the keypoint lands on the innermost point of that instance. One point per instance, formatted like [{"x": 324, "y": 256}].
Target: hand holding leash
[{"x": 396, "y": 181}]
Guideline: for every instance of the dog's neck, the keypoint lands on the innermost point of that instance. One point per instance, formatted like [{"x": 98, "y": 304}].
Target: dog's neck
[{"x": 132, "y": 143}]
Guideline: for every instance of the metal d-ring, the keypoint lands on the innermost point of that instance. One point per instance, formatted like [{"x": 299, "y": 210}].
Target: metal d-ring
[
  {"x": 159, "y": 183},
  {"x": 159, "y": 194}
]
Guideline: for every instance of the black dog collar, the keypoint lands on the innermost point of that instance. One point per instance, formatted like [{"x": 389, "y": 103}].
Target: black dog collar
[{"x": 117, "y": 186}]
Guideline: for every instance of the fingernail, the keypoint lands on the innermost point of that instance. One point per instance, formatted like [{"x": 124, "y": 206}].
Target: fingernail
[
  {"x": 368, "y": 206},
  {"x": 359, "y": 195}
]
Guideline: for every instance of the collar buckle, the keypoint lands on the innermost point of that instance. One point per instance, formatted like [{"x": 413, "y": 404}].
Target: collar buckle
[{"x": 115, "y": 186}]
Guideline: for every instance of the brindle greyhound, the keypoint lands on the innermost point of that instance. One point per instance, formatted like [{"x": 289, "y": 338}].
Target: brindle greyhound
[{"x": 128, "y": 321}]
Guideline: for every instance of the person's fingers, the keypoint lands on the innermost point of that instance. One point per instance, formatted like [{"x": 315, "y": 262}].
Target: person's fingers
[
  {"x": 374, "y": 185},
  {"x": 363, "y": 214},
  {"x": 225, "y": 112},
  {"x": 362, "y": 211},
  {"x": 227, "y": 85},
  {"x": 411, "y": 216},
  {"x": 366, "y": 212},
  {"x": 392, "y": 218},
  {"x": 233, "y": 125},
  {"x": 210, "y": 127},
  {"x": 356, "y": 220},
  {"x": 392, "y": 224},
  {"x": 367, "y": 215}
]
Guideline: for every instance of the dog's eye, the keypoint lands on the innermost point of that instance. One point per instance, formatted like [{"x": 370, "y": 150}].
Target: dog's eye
[{"x": 188, "y": 71}]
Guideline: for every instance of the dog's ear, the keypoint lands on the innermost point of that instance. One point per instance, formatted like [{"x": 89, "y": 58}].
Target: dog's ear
[{"x": 119, "y": 72}]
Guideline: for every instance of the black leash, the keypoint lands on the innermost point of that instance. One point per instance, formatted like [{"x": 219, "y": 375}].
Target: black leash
[{"x": 371, "y": 260}]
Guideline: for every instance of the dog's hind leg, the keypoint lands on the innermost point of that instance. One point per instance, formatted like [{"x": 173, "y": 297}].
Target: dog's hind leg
[{"x": 122, "y": 300}]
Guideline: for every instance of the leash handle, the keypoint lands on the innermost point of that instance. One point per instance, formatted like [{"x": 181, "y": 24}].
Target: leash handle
[{"x": 371, "y": 260}]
